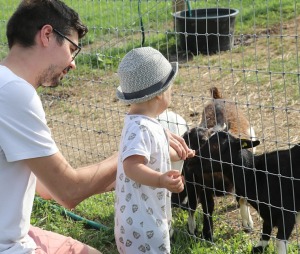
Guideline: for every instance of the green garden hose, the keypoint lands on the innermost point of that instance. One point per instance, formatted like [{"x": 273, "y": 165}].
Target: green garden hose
[{"x": 63, "y": 211}]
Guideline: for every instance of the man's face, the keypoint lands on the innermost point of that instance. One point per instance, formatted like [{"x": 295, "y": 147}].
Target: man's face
[
  {"x": 52, "y": 76},
  {"x": 62, "y": 61}
]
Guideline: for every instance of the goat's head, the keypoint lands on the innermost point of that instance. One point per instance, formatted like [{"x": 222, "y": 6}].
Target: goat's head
[
  {"x": 222, "y": 147},
  {"x": 196, "y": 137}
]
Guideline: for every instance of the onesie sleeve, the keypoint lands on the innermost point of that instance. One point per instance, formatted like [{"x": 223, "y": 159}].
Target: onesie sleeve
[{"x": 137, "y": 141}]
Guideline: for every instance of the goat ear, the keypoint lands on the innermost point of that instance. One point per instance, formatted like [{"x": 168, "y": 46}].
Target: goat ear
[
  {"x": 246, "y": 143},
  {"x": 185, "y": 136}
]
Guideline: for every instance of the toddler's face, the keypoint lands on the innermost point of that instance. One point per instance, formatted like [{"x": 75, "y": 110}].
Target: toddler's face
[{"x": 166, "y": 99}]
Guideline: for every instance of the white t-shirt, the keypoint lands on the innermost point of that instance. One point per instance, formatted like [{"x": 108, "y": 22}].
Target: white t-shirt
[
  {"x": 142, "y": 213},
  {"x": 23, "y": 134}
]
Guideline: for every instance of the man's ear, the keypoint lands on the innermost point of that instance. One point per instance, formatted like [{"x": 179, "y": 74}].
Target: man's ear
[{"x": 45, "y": 33}]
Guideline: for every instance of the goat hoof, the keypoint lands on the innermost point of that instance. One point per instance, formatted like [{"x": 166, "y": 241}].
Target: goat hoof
[
  {"x": 247, "y": 226},
  {"x": 247, "y": 229},
  {"x": 195, "y": 233},
  {"x": 207, "y": 236},
  {"x": 257, "y": 249}
]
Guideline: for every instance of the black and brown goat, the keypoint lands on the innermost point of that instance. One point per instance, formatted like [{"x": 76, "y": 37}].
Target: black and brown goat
[
  {"x": 270, "y": 181},
  {"x": 201, "y": 186}
]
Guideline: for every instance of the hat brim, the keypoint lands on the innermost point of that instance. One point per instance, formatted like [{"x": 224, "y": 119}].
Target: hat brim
[{"x": 122, "y": 98}]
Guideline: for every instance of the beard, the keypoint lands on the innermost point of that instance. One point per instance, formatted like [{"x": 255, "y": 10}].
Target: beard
[{"x": 50, "y": 77}]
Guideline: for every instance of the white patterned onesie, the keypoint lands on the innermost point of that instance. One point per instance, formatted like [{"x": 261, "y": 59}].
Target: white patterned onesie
[{"x": 142, "y": 213}]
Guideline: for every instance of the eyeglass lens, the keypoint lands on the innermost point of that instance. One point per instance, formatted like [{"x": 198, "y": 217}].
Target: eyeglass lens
[{"x": 78, "y": 48}]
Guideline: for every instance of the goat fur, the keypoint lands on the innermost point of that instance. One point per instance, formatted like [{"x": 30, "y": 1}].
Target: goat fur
[
  {"x": 221, "y": 111},
  {"x": 202, "y": 187},
  {"x": 270, "y": 181}
]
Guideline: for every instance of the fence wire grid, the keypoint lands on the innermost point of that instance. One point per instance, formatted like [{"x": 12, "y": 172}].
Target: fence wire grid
[{"x": 250, "y": 54}]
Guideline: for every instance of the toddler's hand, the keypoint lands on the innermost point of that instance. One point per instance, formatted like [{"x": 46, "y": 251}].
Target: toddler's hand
[
  {"x": 179, "y": 145},
  {"x": 190, "y": 153},
  {"x": 172, "y": 180}
]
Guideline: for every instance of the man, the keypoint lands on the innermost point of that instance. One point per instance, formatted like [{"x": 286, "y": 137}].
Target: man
[{"x": 43, "y": 41}]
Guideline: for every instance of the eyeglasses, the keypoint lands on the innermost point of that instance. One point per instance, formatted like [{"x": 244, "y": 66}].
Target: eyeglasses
[{"x": 78, "y": 48}]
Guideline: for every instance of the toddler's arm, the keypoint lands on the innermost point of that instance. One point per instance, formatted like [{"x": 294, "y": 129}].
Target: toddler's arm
[{"x": 135, "y": 169}]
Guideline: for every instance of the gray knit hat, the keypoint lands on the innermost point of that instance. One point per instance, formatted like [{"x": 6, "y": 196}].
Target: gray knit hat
[{"x": 144, "y": 73}]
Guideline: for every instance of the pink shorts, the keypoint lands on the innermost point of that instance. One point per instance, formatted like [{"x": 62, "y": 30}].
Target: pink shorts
[{"x": 52, "y": 243}]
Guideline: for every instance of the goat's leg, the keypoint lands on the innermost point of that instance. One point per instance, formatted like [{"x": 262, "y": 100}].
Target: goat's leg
[
  {"x": 247, "y": 221},
  {"x": 207, "y": 202},
  {"x": 192, "y": 206},
  {"x": 180, "y": 199},
  {"x": 265, "y": 237},
  {"x": 285, "y": 228},
  {"x": 192, "y": 227},
  {"x": 281, "y": 246}
]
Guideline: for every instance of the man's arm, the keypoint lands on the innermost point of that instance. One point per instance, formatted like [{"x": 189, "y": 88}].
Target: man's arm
[
  {"x": 44, "y": 193},
  {"x": 69, "y": 186},
  {"x": 42, "y": 190}
]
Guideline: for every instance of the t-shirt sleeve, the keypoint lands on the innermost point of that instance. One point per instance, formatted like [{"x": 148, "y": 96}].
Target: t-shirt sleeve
[
  {"x": 24, "y": 132},
  {"x": 137, "y": 141}
]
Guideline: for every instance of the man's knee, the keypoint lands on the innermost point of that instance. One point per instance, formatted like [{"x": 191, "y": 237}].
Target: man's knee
[{"x": 93, "y": 251}]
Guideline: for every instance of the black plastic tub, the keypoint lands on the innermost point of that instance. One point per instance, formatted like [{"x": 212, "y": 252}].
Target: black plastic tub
[{"x": 207, "y": 30}]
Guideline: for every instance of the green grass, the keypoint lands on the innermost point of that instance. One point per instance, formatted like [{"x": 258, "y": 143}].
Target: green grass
[
  {"x": 100, "y": 209},
  {"x": 112, "y": 22}
]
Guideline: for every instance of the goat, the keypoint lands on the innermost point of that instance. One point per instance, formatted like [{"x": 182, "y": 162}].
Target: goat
[
  {"x": 269, "y": 182},
  {"x": 202, "y": 187}
]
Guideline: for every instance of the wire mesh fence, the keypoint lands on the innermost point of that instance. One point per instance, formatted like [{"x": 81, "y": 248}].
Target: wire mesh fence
[{"x": 252, "y": 58}]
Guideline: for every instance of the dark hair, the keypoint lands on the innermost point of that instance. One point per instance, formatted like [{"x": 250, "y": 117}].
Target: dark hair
[{"x": 32, "y": 15}]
